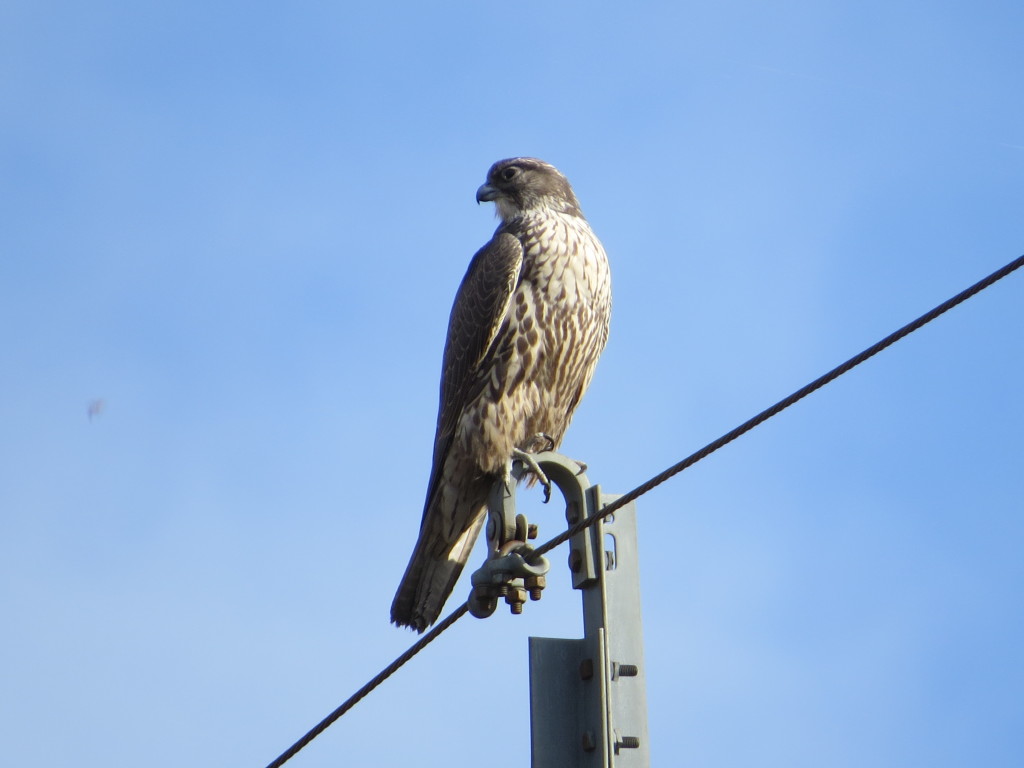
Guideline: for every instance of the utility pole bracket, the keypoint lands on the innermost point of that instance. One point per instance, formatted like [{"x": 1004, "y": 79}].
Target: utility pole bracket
[
  {"x": 588, "y": 706},
  {"x": 588, "y": 700}
]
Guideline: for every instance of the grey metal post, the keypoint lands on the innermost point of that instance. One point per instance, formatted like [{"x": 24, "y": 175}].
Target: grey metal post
[{"x": 588, "y": 703}]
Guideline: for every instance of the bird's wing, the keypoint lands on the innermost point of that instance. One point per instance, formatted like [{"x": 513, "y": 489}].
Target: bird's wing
[{"x": 478, "y": 315}]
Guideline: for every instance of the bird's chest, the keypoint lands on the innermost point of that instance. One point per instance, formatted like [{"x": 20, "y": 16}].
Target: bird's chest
[
  {"x": 564, "y": 267},
  {"x": 561, "y": 299}
]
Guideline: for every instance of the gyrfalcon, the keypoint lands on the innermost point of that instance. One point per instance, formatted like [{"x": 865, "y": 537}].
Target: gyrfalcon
[{"x": 529, "y": 322}]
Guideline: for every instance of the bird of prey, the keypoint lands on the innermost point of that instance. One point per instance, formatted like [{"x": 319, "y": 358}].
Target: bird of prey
[{"x": 529, "y": 322}]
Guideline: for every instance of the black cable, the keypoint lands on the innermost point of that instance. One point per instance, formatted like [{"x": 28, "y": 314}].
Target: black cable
[
  {"x": 639, "y": 491},
  {"x": 383, "y": 675},
  {"x": 766, "y": 414}
]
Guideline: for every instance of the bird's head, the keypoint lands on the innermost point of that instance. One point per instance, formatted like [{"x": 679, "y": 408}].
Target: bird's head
[{"x": 524, "y": 184}]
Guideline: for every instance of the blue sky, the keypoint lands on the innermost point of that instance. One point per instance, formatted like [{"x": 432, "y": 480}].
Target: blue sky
[{"x": 241, "y": 226}]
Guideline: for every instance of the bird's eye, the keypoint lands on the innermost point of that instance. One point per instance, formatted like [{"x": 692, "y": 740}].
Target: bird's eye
[{"x": 510, "y": 173}]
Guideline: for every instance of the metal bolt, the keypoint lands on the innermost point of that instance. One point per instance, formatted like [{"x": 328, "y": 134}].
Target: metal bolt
[
  {"x": 586, "y": 669},
  {"x": 535, "y": 585},
  {"x": 628, "y": 742},
  {"x": 572, "y": 513},
  {"x": 515, "y": 598},
  {"x": 500, "y": 580},
  {"x": 575, "y": 561},
  {"x": 588, "y": 743},
  {"x": 628, "y": 670}
]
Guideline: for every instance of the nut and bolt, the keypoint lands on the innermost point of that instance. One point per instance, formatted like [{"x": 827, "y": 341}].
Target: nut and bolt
[
  {"x": 575, "y": 561},
  {"x": 535, "y": 585},
  {"x": 515, "y": 598},
  {"x": 500, "y": 579}
]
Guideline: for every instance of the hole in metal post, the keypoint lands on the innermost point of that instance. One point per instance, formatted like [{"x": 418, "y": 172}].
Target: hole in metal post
[{"x": 610, "y": 561}]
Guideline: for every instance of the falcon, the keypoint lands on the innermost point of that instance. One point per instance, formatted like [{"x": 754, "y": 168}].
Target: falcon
[{"x": 529, "y": 322}]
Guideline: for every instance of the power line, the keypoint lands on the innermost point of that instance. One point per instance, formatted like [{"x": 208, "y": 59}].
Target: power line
[
  {"x": 780, "y": 406},
  {"x": 383, "y": 675},
  {"x": 655, "y": 481}
]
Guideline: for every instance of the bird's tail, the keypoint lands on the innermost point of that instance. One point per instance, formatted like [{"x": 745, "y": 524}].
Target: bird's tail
[{"x": 430, "y": 578}]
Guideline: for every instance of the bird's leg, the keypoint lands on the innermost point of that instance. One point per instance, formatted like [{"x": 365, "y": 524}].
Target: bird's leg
[{"x": 532, "y": 465}]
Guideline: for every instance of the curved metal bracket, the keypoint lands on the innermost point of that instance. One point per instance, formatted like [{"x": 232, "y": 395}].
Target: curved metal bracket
[{"x": 510, "y": 571}]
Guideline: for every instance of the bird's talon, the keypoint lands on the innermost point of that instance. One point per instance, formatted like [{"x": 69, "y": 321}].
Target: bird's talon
[{"x": 534, "y": 468}]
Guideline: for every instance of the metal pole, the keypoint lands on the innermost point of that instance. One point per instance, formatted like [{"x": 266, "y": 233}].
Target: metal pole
[{"x": 588, "y": 703}]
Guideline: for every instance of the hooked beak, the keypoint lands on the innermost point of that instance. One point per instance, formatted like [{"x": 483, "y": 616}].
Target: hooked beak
[{"x": 486, "y": 193}]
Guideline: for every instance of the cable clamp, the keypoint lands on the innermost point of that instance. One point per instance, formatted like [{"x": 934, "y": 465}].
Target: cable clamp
[{"x": 511, "y": 575}]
